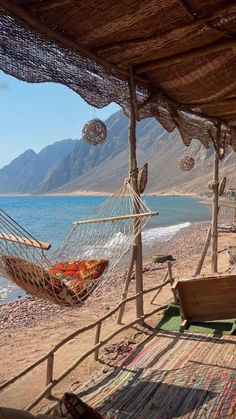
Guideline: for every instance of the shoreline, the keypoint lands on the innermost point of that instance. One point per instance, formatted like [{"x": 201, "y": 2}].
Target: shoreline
[
  {"x": 95, "y": 193},
  {"x": 29, "y": 311},
  {"x": 31, "y": 328}
]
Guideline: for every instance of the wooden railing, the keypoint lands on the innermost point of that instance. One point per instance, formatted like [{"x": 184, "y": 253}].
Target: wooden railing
[{"x": 51, "y": 382}]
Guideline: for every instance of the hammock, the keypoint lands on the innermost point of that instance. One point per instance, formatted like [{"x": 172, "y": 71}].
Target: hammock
[{"x": 83, "y": 261}]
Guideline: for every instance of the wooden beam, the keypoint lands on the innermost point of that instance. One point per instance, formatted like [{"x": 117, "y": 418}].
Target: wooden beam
[
  {"x": 133, "y": 168},
  {"x": 174, "y": 33},
  {"x": 190, "y": 54},
  {"x": 25, "y": 241},
  {"x": 215, "y": 209},
  {"x": 48, "y": 5},
  {"x": 118, "y": 217},
  {"x": 65, "y": 40}
]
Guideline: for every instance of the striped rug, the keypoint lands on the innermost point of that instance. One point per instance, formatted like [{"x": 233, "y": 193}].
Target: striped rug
[{"x": 171, "y": 375}]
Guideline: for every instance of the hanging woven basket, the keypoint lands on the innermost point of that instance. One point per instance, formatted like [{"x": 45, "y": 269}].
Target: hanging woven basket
[
  {"x": 94, "y": 132},
  {"x": 186, "y": 163}
]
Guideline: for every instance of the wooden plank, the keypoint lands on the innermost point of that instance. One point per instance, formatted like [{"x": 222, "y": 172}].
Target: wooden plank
[
  {"x": 209, "y": 298},
  {"x": 117, "y": 218},
  {"x": 25, "y": 241}
]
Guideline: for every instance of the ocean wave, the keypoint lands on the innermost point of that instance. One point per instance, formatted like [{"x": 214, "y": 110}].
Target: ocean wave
[{"x": 163, "y": 233}]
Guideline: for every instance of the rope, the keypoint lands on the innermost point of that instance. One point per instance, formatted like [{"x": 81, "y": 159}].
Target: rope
[{"x": 107, "y": 242}]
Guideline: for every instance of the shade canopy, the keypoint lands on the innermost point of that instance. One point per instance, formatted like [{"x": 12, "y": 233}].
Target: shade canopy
[{"x": 182, "y": 54}]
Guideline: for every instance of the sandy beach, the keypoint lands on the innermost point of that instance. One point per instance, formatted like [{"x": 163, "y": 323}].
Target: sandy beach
[{"x": 29, "y": 328}]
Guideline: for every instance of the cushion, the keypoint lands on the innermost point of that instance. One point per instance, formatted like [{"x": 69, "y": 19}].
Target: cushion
[
  {"x": 72, "y": 407},
  {"x": 36, "y": 281},
  {"x": 65, "y": 283},
  {"x": 79, "y": 273}
]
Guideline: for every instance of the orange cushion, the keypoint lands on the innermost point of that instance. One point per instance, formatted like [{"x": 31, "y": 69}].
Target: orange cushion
[{"x": 80, "y": 272}]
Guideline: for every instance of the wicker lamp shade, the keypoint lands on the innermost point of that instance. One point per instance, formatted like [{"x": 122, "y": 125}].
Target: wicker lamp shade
[
  {"x": 186, "y": 163},
  {"x": 95, "y": 132}
]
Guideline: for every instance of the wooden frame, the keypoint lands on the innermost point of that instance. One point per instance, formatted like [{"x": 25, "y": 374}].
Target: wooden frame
[
  {"x": 97, "y": 325},
  {"x": 207, "y": 298},
  {"x": 117, "y": 218},
  {"x": 25, "y": 241}
]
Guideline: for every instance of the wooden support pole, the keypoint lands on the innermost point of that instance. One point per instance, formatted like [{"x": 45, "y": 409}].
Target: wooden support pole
[
  {"x": 171, "y": 279},
  {"x": 133, "y": 167},
  {"x": 126, "y": 285},
  {"x": 159, "y": 290},
  {"x": 97, "y": 340},
  {"x": 214, "y": 222},
  {"x": 204, "y": 252},
  {"x": 49, "y": 374}
]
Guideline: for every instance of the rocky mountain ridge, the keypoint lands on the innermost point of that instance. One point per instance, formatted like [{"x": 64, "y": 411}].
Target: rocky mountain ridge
[{"x": 69, "y": 166}]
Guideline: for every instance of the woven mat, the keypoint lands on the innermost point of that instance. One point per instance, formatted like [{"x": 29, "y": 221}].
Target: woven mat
[{"x": 171, "y": 375}]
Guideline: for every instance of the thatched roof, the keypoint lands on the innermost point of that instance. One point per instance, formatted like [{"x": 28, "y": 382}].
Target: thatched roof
[{"x": 182, "y": 53}]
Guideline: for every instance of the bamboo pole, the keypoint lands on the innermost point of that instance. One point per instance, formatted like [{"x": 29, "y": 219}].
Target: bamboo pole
[
  {"x": 90, "y": 352},
  {"x": 97, "y": 340},
  {"x": 133, "y": 167},
  {"x": 215, "y": 207},
  {"x": 77, "y": 333}
]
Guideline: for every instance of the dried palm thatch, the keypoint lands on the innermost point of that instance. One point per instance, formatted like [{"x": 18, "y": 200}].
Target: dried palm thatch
[{"x": 182, "y": 53}]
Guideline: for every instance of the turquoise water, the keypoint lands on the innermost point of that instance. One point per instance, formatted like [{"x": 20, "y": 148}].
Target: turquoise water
[{"x": 50, "y": 219}]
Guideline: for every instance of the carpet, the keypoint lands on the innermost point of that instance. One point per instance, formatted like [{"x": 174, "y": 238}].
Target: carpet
[{"x": 171, "y": 375}]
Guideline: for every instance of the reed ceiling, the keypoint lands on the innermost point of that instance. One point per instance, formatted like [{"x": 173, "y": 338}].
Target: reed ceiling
[{"x": 182, "y": 54}]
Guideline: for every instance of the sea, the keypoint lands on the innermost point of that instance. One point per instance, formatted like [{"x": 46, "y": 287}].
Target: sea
[{"x": 50, "y": 218}]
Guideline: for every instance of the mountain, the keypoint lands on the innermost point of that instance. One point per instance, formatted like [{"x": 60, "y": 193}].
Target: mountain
[
  {"x": 30, "y": 168},
  {"x": 103, "y": 167},
  {"x": 74, "y": 165}
]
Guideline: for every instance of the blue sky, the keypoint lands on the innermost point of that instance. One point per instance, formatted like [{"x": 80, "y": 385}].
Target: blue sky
[{"x": 36, "y": 115}]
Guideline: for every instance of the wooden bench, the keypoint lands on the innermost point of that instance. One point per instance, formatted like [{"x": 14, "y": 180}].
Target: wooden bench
[{"x": 207, "y": 298}]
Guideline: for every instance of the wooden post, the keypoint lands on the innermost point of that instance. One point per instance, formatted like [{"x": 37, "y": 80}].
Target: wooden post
[
  {"x": 97, "y": 340},
  {"x": 126, "y": 285},
  {"x": 170, "y": 275},
  {"x": 134, "y": 179},
  {"x": 214, "y": 221},
  {"x": 49, "y": 374}
]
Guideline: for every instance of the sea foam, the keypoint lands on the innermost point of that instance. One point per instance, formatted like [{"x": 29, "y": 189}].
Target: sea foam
[{"x": 163, "y": 233}]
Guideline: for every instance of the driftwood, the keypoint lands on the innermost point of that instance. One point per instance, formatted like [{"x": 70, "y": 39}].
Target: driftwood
[
  {"x": 77, "y": 333},
  {"x": 90, "y": 352}
]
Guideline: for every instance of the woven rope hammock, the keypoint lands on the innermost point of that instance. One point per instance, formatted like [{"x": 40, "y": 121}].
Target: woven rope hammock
[{"x": 83, "y": 261}]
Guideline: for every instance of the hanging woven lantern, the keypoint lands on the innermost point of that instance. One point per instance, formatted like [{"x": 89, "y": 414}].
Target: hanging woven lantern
[
  {"x": 95, "y": 132},
  {"x": 186, "y": 163}
]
